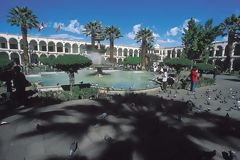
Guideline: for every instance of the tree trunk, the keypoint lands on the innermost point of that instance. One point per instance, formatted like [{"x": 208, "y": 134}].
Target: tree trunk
[
  {"x": 111, "y": 50},
  {"x": 144, "y": 50},
  {"x": 230, "y": 50},
  {"x": 25, "y": 45},
  {"x": 71, "y": 78}
]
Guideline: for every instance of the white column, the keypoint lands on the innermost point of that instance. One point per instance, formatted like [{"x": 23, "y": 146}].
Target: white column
[
  {"x": 223, "y": 51},
  {"x": 214, "y": 52},
  {"x": 55, "y": 48},
  {"x": 8, "y": 44},
  {"x": 19, "y": 46}
]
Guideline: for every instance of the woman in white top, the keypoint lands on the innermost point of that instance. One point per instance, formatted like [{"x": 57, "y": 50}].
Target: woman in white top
[{"x": 164, "y": 79}]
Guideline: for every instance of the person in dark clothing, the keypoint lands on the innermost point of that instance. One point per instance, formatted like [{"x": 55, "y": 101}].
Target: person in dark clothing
[{"x": 20, "y": 83}]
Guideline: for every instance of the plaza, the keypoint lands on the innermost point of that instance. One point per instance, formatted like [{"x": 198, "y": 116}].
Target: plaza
[{"x": 129, "y": 80}]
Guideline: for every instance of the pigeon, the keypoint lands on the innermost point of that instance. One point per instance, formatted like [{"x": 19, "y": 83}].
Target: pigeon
[
  {"x": 73, "y": 148},
  {"x": 108, "y": 139},
  {"x": 218, "y": 109},
  {"x": 227, "y": 155},
  {"x": 39, "y": 127},
  {"x": 208, "y": 155},
  {"x": 102, "y": 116}
]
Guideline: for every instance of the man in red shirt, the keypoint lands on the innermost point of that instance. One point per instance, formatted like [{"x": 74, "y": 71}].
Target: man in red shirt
[{"x": 194, "y": 74}]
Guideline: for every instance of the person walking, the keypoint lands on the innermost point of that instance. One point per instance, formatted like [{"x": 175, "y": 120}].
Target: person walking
[
  {"x": 164, "y": 79},
  {"x": 20, "y": 83},
  {"x": 194, "y": 74}
]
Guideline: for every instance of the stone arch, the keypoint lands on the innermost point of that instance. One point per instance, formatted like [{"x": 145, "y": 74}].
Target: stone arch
[
  {"x": 135, "y": 53},
  {"x": 120, "y": 52},
  {"x": 82, "y": 48},
  {"x": 67, "y": 48},
  {"x": 211, "y": 52},
  {"x": 42, "y": 46},
  {"x": 43, "y": 55},
  {"x": 59, "y": 47},
  {"x": 219, "y": 51},
  {"x": 15, "y": 57},
  {"x": 237, "y": 50},
  {"x": 173, "y": 53},
  {"x": 115, "y": 51},
  {"x": 51, "y": 46},
  {"x": 75, "y": 48},
  {"x": 168, "y": 53},
  {"x": 178, "y": 52},
  {"x": 33, "y": 45},
  {"x": 51, "y": 57},
  {"x": 120, "y": 60},
  {"x": 13, "y": 43},
  {"x": 130, "y": 52},
  {"x": 3, "y": 42},
  {"x": 125, "y": 52}
]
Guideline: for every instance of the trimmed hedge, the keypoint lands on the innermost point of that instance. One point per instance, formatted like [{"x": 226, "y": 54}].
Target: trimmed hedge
[{"x": 132, "y": 60}]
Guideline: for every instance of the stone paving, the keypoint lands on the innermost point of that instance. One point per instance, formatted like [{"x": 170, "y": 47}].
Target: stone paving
[{"x": 46, "y": 133}]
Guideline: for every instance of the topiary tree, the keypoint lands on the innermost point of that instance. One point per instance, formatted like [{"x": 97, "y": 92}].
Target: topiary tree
[
  {"x": 204, "y": 67},
  {"x": 178, "y": 63},
  {"x": 5, "y": 64},
  {"x": 132, "y": 61},
  {"x": 71, "y": 64}
]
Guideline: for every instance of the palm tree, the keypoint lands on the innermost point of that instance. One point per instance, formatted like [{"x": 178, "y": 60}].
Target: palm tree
[
  {"x": 23, "y": 17},
  {"x": 145, "y": 36},
  {"x": 231, "y": 28},
  {"x": 92, "y": 29},
  {"x": 112, "y": 33}
]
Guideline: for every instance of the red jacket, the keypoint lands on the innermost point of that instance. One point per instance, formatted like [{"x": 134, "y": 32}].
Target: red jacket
[{"x": 194, "y": 73}]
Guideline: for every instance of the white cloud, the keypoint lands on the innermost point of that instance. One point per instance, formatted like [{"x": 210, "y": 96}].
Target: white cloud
[
  {"x": 165, "y": 41},
  {"x": 73, "y": 27},
  {"x": 131, "y": 35},
  {"x": 173, "y": 31},
  {"x": 185, "y": 23},
  {"x": 65, "y": 36},
  {"x": 136, "y": 28},
  {"x": 156, "y": 35}
]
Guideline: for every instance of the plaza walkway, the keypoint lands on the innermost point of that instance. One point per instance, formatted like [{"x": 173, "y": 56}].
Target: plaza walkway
[{"x": 132, "y": 127}]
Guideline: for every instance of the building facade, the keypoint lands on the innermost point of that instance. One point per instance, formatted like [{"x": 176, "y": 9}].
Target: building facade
[{"x": 11, "y": 46}]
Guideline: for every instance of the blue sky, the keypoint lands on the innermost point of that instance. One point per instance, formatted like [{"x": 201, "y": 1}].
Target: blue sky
[{"x": 165, "y": 18}]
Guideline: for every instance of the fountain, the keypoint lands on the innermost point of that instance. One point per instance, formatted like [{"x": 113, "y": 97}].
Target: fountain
[
  {"x": 98, "y": 62},
  {"x": 115, "y": 79}
]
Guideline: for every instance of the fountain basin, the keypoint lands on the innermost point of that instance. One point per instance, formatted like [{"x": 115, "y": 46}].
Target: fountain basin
[{"x": 114, "y": 79}]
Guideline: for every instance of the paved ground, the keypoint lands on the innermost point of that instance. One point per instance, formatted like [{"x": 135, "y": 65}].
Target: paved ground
[{"x": 136, "y": 127}]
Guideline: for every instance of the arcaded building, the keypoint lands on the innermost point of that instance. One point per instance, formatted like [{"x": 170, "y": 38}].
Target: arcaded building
[{"x": 11, "y": 46}]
